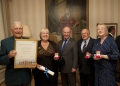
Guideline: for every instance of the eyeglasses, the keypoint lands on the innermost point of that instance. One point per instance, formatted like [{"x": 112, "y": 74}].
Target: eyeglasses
[
  {"x": 16, "y": 28},
  {"x": 84, "y": 33}
]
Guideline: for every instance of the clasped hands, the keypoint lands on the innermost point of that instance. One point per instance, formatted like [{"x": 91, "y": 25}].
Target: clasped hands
[{"x": 96, "y": 57}]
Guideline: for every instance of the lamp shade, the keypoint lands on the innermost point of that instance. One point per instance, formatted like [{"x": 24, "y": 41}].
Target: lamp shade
[{"x": 26, "y": 31}]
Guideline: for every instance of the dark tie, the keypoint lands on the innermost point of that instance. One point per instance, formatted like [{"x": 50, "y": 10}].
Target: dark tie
[
  {"x": 84, "y": 46},
  {"x": 65, "y": 42}
]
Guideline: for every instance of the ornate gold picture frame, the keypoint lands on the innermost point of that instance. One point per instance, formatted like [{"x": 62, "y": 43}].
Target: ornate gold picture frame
[{"x": 77, "y": 18}]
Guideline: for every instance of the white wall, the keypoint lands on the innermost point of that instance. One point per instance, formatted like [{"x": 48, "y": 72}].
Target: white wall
[
  {"x": 2, "y": 36},
  {"x": 30, "y": 12},
  {"x": 103, "y": 11}
]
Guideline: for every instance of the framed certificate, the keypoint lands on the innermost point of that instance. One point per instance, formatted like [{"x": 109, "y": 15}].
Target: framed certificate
[{"x": 26, "y": 52}]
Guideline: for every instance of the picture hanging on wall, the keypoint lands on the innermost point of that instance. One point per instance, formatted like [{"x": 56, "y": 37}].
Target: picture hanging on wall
[{"x": 72, "y": 13}]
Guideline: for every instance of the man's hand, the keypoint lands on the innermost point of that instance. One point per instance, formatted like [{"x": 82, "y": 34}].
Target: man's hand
[
  {"x": 12, "y": 53},
  {"x": 73, "y": 70}
]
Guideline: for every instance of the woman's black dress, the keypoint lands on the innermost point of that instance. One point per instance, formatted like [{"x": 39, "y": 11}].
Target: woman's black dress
[{"x": 46, "y": 58}]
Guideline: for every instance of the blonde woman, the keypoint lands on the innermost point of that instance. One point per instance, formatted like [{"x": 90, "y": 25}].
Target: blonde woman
[
  {"x": 46, "y": 52},
  {"x": 105, "y": 53}
]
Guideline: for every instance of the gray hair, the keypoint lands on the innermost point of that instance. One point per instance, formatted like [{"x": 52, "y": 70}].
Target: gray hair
[{"x": 16, "y": 23}]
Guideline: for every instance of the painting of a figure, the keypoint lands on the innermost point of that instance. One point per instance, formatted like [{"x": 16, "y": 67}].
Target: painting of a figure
[{"x": 71, "y": 13}]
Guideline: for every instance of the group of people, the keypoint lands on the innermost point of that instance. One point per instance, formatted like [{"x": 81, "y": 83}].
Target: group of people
[{"x": 95, "y": 58}]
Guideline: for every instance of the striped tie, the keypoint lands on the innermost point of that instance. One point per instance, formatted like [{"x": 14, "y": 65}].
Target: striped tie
[{"x": 84, "y": 46}]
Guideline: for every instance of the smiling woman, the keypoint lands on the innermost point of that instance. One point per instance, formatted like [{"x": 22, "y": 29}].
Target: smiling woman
[
  {"x": 115, "y": 25},
  {"x": 105, "y": 65},
  {"x": 46, "y": 57}
]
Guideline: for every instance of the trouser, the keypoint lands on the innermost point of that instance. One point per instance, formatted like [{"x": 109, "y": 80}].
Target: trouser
[
  {"x": 68, "y": 79},
  {"x": 86, "y": 79}
]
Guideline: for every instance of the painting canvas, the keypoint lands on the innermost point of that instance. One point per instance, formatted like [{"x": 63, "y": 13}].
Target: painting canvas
[{"x": 72, "y": 13}]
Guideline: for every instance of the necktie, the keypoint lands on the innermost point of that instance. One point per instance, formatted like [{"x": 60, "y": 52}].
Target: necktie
[
  {"x": 65, "y": 42},
  {"x": 84, "y": 46}
]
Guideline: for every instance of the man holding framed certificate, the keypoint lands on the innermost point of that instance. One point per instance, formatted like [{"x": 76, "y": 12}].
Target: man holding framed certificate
[{"x": 20, "y": 75}]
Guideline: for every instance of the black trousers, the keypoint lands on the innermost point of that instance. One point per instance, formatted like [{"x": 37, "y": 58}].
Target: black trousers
[
  {"x": 87, "y": 79},
  {"x": 68, "y": 79}
]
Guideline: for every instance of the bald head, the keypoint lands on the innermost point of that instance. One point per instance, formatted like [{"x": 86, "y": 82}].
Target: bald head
[{"x": 66, "y": 32}]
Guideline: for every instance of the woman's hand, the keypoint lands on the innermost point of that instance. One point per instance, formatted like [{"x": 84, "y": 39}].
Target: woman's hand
[
  {"x": 38, "y": 66},
  {"x": 100, "y": 57},
  {"x": 104, "y": 56},
  {"x": 96, "y": 57},
  {"x": 56, "y": 58}
]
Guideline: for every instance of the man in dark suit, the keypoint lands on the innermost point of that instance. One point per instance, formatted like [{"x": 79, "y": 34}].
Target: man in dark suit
[
  {"x": 86, "y": 67},
  {"x": 117, "y": 40},
  {"x": 13, "y": 77},
  {"x": 111, "y": 31},
  {"x": 69, "y": 52}
]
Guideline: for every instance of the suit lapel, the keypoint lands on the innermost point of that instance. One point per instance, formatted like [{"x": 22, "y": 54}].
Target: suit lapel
[{"x": 11, "y": 42}]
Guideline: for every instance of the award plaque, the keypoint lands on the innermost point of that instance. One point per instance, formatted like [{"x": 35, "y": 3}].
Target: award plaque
[{"x": 26, "y": 53}]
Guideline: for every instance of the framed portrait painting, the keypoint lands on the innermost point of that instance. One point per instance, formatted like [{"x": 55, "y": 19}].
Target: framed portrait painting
[{"x": 71, "y": 13}]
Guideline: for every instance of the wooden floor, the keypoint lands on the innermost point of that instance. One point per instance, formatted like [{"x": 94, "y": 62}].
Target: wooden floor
[{"x": 32, "y": 84}]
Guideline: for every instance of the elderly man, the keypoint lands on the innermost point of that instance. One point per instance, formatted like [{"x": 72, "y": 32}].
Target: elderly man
[
  {"x": 86, "y": 67},
  {"x": 13, "y": 77}
]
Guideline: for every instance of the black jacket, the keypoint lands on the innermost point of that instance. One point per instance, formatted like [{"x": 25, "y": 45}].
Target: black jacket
[{"x": 86, "y": 66}]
